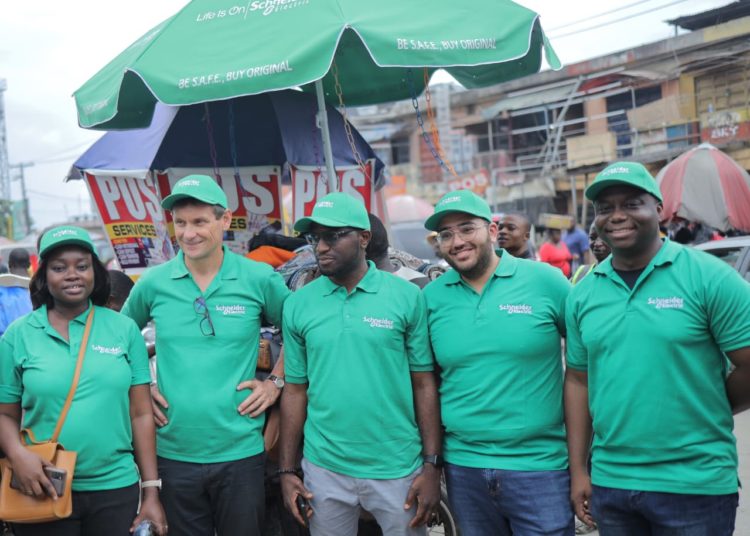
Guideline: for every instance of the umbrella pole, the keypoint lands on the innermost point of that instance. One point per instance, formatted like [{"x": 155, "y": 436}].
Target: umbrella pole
[{"x": 325, "y": 133}]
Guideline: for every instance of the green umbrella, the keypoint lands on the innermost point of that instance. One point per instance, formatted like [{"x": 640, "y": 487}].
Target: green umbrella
[{"x": 213, "y": 50}]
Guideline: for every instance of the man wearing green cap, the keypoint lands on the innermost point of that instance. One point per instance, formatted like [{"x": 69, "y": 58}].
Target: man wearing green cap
[
  {"x": 649, "y": 333},
  {"x": 207, "y": 305},
  {"x": 496, "y": 323},
  {"x": 359, "y": 378}
]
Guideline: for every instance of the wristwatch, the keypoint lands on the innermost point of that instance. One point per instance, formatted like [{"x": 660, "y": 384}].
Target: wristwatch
[
  {"x": 434, "y": 459},
  {"x": 278, "y": 382}
]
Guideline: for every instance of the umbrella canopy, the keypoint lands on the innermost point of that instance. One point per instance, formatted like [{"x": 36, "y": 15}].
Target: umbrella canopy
[
  {"x": 705, "y": 185},
  {"x": 212, "y": 51},
  {"x": 267, "y": 129},
  {"x": 408, "y": 208}
]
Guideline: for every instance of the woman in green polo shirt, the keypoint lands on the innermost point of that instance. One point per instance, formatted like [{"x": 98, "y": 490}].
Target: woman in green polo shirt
[{"x": 110, "y": 422}]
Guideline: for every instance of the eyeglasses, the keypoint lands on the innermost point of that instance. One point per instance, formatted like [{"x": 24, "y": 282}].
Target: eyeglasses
[
  {"x": 464, "y": 232},
  {"x": 329, "y": 237},
  {"x": 207, "y": 327}
]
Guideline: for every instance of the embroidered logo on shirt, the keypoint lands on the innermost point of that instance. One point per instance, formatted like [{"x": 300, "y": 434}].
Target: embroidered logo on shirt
[
  {"x": 110, "y": 350},
  {"x": 383, "y": 323},
  {"x": 231, "y": 309},
  {"x": 667, "y": 303},
  {"x": 516, "y": 308}
]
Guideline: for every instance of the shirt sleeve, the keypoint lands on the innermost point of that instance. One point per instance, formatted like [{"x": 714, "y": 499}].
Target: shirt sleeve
[
  {"x": 137, "y": 306},
  {"x": 10, "y": 372},
  {"x": 576, "y": 355},
  {"x": 728, "y": 309},
  {"x": 559, "y": 291},
  {"x": 137, "y": 356},
  {"x": 275, "y": 294},
  {"x": 295, "y": 350},
  {"x": 418, "y": 347}
]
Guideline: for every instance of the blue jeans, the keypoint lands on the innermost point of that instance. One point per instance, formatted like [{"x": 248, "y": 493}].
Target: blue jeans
[
  {"x": 622, "y": 512},
  {"x": 495, "y": 502}
]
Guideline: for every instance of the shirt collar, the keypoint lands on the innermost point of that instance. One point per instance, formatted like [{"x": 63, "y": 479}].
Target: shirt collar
[
  {"x": 38, "y": 318},
  {"x": 227, "y": 270},
  {"x": 666, "y": 255},
  {"x": 369, "y": 283}
]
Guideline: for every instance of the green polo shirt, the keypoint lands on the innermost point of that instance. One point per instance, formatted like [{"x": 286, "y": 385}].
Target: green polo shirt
[
  {"x": 198, "y": 374},
  {"x": 499, "y": 353},
  {"x": 356, "y": 351},
  {"x": 36, "y": 369},
  {"x": 656, "y": 370}
]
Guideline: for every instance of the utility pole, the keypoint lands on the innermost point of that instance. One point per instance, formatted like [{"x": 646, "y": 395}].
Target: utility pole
[
  {"x": 22, "y": 177},
  {"x": 4, "y": 167}
]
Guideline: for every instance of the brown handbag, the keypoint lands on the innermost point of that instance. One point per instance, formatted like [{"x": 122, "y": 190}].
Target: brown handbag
[{"x": 15, "y": 506}]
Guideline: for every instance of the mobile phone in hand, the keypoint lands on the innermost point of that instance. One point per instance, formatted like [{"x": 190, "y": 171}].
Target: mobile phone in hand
[
  {"x": 56, "y": 476},
  {"x": 302, "y": 506}
]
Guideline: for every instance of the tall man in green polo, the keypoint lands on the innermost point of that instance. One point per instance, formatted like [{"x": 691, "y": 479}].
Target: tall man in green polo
[
  {"x": 359, "y": 378},
  {"x": 649, "y": 333},
  {"x": 207, "y": 305},
  {"x": 496, "y": 323}
]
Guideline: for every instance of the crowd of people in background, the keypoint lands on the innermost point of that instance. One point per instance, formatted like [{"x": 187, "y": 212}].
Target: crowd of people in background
[{"x": 393, "y": 373}]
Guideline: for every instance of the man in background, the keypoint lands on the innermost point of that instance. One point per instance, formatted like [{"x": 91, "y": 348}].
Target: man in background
[
  {"x": 14, "y": 288},
  {"x": 578, "y": 244},
  {"x": 513, "y": 233}
]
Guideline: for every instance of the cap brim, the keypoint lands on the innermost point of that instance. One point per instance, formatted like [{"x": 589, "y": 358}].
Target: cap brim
[
  {"x": 303, "y": 225},
  {"x": 593, "y": 191},
  {"x": 433, "y": 222},
  {"x": 169, "y": 201},
  {"x": 69, "y": 242}
]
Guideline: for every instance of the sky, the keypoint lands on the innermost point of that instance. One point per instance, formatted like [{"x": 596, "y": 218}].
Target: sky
[{"x": 48, "y": 49}]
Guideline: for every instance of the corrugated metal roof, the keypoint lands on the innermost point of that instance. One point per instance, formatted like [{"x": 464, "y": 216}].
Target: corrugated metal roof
[{"x": 527, "y": 100}]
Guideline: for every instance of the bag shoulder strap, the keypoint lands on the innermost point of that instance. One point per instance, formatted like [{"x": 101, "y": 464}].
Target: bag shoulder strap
[{"x": 76, "y": 375}]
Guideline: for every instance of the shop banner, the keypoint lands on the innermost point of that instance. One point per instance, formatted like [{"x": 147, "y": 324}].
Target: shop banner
[
  {"x": 476, "y": 181},
  {"x": 253, "y": 196},
  {"x": 309, "y": 184},
  {"x": 134, "y": 221}
]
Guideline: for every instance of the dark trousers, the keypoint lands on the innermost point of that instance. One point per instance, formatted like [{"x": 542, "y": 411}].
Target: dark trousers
[
  {"x": 226, "y": 498},
  {"x": 622, "y": 512},
  {"x": 95, "y": 513}
]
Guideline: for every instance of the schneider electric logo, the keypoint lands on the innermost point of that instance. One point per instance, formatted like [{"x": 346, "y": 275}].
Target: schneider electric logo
[
  {"x": 516, "y": 309},
  {"x": 65, "y": 232},
  {"x": 269, "y": 7},
  {"x": 620, "y": 170},
  {"x": 264, "y": 7}
]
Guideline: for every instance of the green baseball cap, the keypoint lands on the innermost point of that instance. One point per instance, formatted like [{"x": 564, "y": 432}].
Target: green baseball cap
[
  {"x": 65, "y": 235},
  {"x": 336, "y": 210},
  {"x": 199, "y": 187},
  {"x": 464, "y": 201},
  {"x": 623, "y": 173}
]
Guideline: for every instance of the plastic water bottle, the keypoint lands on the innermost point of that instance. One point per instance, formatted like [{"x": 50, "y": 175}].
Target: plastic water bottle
[{"x": 145, "y": 528}]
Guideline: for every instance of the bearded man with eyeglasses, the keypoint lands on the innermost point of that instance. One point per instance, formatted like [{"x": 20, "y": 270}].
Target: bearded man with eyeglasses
[
  {"x": 496, "y": 322},
  {"x": 207, "y": 305},
  {"x": 359, "y": 379}
]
